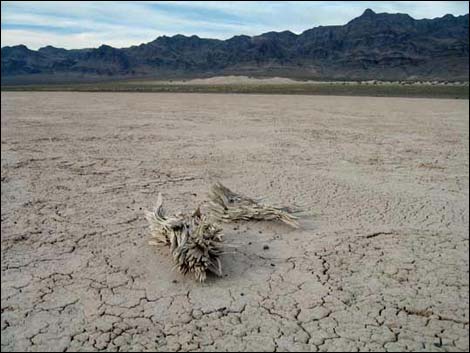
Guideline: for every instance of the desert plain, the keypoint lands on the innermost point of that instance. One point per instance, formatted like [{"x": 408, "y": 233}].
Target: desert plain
[{"x": 380, "y": 262}]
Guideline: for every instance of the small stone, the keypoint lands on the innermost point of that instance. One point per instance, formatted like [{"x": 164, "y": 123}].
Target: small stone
[{"x": 197, "y": 314}]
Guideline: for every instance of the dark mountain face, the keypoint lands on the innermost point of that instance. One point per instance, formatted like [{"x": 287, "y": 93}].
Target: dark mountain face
[{"x": 372, "y": 46}]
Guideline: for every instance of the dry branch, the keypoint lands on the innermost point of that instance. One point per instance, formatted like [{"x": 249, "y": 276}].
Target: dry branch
[
  {"x": 228, "y": 206},
  {"x": 195, "y": 243}
]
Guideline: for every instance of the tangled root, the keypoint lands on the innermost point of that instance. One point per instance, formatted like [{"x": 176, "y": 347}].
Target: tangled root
[
  {"x": 195, "y": 243},
  {"x": 227, "y": 206}
]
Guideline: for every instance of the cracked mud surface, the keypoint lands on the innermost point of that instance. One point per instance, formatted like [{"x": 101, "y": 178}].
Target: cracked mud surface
[{"x": 380, "y": 264}]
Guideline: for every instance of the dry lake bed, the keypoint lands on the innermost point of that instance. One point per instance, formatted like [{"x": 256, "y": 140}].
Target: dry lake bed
[{"x": 379, "y": 264}]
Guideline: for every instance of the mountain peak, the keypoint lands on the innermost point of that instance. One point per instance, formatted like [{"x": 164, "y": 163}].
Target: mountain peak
[
  {"x": 105, "y": 47},
  {"x": 20, "y": 46},
  {"x": 368, "y": 13},
  {"x": 50, "y": 48}
]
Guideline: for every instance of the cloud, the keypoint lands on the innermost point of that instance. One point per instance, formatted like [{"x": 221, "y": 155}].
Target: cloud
[
  {"x": 34, "y": 39},
  {"x": 82, "y": 24}
]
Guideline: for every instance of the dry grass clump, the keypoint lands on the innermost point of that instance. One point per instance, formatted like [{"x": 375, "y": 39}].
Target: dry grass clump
[
  {"x": 227, "y": 206},
  {"x": 195, "y": 243}
]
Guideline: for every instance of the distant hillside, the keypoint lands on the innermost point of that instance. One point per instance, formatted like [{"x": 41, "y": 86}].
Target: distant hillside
[{"x": 373, "y": 46}]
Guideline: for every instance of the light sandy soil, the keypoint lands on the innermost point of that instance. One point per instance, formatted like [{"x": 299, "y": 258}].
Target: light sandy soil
[
  {"x": 246, "y": 80},
  {"x": 236, "y": 80},
  {"x": 380, "y": 264}
]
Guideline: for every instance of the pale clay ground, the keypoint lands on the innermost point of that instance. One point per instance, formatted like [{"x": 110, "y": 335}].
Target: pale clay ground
[{"x": 381, "y": 262}]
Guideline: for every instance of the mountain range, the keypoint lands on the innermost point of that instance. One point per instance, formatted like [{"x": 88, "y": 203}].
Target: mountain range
[{"x": 372, "y": 46}]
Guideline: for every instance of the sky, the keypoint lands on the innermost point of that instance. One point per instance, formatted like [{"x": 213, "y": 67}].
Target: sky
[{"x": 85, "y": 24}]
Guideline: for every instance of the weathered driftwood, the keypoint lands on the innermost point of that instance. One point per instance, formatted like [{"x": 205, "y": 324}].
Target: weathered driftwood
[
  {"x": 227, "y": 206},
  {"x": 195, "y": 243}
]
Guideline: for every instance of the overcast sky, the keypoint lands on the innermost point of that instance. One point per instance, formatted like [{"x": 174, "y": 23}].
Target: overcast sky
[{"x": 92, "y": 23}]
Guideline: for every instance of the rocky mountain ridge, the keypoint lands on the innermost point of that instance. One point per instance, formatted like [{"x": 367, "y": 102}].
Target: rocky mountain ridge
[{"x": 372, "y": 46}]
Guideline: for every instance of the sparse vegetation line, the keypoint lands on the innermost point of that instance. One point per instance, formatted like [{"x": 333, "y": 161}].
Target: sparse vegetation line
[{"x": 389, "y": 90}]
